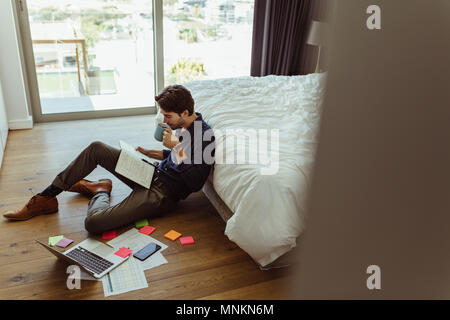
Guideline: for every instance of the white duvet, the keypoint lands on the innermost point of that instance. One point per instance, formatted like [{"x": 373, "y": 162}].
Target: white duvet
[{"x": 267, "y": 197}]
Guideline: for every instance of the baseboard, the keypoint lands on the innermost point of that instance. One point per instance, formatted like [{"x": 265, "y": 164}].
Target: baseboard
[{"x": 26, "y": 123}]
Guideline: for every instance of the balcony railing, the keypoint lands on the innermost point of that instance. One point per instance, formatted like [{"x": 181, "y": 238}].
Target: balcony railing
[{"x": 83, "y": 80}]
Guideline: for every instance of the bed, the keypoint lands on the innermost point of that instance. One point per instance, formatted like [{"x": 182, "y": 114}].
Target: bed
[{"x": 263, "y": 203}]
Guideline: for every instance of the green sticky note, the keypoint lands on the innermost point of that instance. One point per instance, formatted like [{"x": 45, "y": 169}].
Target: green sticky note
[
  {"x": 53, "y": 240},
  {"x": 141, "y": 223}
]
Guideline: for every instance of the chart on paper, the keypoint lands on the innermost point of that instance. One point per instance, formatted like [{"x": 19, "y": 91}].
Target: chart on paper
[{"x": 128, "y": 276}]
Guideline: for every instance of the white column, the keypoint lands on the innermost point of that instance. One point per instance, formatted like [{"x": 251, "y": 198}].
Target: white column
[{"x": 11, "y": 75}]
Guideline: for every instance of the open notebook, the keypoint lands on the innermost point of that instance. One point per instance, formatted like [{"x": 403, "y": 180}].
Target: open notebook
[{"x": 135, "y": 166}]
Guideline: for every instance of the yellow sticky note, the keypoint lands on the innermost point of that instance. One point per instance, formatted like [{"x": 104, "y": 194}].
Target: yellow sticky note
[
  {"x": 172, "y": 235},
  {"x": 53, "y": 240}
]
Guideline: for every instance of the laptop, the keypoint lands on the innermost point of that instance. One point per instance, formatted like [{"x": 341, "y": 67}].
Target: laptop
[{"x": 93, "y": 256}]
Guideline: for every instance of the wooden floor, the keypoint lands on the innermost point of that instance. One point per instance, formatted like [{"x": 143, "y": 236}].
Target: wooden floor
[{"x": 212, "y": 268}]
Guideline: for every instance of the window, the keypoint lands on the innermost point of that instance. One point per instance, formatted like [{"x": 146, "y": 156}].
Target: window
[
  {"x": 93, "y": 55},
  {"x": 100, "y": 55},
  {"x": 207, "y": 39}
]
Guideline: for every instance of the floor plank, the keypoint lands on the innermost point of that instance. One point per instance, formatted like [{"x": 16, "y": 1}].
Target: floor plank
[
  {"x": 212, "y": 268},
  {"x": 260, "y": 291}
]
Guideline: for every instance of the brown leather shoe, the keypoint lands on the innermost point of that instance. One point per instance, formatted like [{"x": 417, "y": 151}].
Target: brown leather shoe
[
  {"x": 36, "y": 206},
  {"x": 90, "y": 188}
]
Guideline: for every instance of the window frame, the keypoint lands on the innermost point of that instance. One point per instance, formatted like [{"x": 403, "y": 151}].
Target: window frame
[{"x": 20, "y": 11}]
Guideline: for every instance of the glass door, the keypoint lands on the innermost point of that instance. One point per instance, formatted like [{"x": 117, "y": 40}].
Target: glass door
[
  {"x": 207, "y": 39},
  {"x": 95, "y": 58},
  {"x": 91, "y": 56}
]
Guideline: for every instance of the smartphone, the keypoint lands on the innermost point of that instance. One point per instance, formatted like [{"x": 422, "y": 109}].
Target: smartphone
[{"x": 147, "y": 251}]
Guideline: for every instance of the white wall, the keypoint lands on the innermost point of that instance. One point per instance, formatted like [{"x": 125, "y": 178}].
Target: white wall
[
  {"x": 11, "y": 75},
  {"x": 3, "y": 125}
]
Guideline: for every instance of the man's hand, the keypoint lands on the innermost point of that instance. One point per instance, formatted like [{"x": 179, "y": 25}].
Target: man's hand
[
  {"x": 180, "y": 155},
  {"x": 143, "y": 151},
  {"x": 169, "y": 139},
  {"x": 155, "y": 154}
]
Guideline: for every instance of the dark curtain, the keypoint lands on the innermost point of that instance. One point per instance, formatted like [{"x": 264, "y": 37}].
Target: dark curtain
[{"x": 279, "y": 33}]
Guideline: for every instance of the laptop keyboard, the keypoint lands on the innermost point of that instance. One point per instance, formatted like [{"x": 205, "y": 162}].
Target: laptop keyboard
[{"x": 89, "y": 260}]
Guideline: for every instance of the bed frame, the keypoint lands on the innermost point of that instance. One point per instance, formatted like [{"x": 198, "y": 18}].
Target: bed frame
[
  {"x": 216, "y": 201},
  {"x": 285, "y": 260}
]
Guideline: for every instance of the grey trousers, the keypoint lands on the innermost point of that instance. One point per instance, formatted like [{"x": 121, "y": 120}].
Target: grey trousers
[{"x": 141, "y": 203}]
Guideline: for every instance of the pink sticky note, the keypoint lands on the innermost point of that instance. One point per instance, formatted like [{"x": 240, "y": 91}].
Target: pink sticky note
[
  {"x": 64, "y": 242},
  {"x": 147, "y": 230},
  {"x": 123, "y": 252},
  {"x": 186, "y": 240},
  {"x": 109, "y": 234}
]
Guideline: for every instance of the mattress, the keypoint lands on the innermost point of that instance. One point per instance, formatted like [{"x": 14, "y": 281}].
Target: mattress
[{"x": 265, "y": 129}]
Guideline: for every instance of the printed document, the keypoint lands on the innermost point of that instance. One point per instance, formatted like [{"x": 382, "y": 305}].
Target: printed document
[
  {"x": 135, "y": 241},
  {"x": 135, "y": 166},
  {"x": 128, "y": 276}
]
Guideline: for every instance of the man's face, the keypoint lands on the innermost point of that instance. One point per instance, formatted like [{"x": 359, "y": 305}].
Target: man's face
[{"x": 173, "y": 119}]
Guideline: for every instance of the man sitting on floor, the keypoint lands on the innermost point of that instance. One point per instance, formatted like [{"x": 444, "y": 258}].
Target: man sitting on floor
[{"x": 180, "y": 172}]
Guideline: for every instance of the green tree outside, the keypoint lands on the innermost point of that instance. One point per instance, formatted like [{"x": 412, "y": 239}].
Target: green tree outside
[{"x": 185, "y": 71}]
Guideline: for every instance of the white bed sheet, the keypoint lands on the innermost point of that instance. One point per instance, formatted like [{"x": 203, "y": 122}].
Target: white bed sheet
[{"x": 269, "y": 209}]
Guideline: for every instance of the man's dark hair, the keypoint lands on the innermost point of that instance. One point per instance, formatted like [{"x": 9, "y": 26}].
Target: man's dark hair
[{"x": 176, "y": 98}]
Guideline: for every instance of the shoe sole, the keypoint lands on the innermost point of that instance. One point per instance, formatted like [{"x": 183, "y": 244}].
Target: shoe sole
[{"x": 39, "y": 214}]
